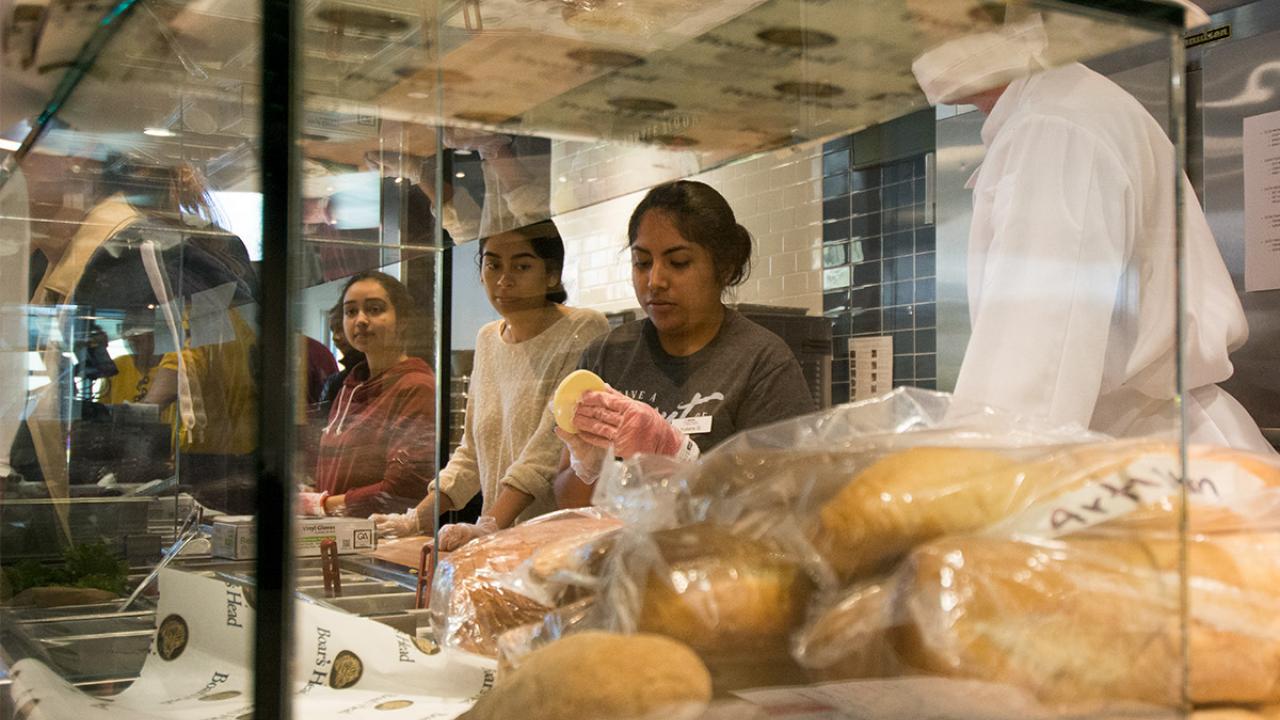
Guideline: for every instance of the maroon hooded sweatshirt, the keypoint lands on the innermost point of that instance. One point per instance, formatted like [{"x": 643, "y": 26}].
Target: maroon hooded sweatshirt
[{"x": 379, "y": 446}]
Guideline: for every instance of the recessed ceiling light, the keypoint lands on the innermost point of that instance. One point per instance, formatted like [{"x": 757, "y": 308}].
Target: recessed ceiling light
[
  {"x": 159, "y": 132},
  {"x": 809, "y": 89},
  {"x": 796, "y": 37},
  {"x": 641, "y": 104},
  {"x": 459, "y": 174},
  {"x": 605, "y": 58}
]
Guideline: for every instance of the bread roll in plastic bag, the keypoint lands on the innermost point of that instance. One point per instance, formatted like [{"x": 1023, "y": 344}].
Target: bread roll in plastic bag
[
  {"x": 734, "y": 598},
  {"x": 471, "y": 604},
  {"x": 870, "y": 480},
  {"x": 911, "y": 496},
  {"x": 1076, "y": 620}
]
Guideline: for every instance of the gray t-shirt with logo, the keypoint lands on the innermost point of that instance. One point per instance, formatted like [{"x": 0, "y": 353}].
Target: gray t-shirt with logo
[{"x": 745, "y": 377}]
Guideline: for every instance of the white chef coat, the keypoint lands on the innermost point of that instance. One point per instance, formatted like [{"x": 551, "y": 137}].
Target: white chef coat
[{"x": 1071, "y": 274}]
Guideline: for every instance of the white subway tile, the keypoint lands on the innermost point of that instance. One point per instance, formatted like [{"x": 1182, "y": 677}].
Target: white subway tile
[
  {"x": 796, "y": 283},
  {"x": 782, "y": 264},
  {"x": 780, "y": 221},
  {"x": 594, "y": 278},
  {"x": 815, "y": 259},
  {"x": 767, "y": 245},
  {"x": 794, "y": 196},
  {"x": 780, "y": 177},
  {"x": 734, "y": 188},
  {"x": 796, "y": 240},
  {"x": 770, "y": 201},
  {"x": 769, "y": 288}
]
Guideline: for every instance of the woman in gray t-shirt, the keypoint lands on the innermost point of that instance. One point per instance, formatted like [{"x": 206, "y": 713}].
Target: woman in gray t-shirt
[{"x": 693, "y": 372}]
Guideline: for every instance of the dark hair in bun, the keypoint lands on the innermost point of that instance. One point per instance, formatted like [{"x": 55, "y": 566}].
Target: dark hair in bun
[{"x": 702, "y": 216}]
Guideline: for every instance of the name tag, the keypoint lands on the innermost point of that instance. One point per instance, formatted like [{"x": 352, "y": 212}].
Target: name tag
[{"x": 693, "y": 425}]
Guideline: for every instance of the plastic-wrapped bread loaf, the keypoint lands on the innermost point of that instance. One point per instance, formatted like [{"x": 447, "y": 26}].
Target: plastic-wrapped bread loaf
[
  {"x": 908, "y": 497},
  {"x": 723, "y": 593},
  {"x": 471, "y": 602},
  {"x": 915, "y": 495},
  {"x": 1075, "y": 620},
  {"x": 735, "y": 600}
]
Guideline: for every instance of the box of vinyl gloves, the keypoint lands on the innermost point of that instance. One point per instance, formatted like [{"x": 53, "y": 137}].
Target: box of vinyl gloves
[{"x": 234, "y": 537}]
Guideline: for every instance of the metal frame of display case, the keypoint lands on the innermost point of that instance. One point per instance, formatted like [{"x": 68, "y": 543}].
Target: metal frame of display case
[{"x": 281, "y": 223}]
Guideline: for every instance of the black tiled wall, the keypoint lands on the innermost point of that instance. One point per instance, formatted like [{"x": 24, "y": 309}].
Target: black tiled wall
[{"x": 878, "y": 249}]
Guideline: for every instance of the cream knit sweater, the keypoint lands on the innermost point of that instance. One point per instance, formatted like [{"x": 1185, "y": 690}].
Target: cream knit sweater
[{"x": 507, "y": 437}]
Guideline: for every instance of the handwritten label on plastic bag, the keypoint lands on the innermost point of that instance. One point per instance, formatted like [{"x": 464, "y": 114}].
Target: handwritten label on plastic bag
[{"x": 1150, "y": 480}]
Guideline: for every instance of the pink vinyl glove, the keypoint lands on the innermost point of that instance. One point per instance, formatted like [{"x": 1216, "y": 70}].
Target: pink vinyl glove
[
  {"x": 456, "y": 535},
  {"x": 311, "y": 504},
  {"x": 607, "y": 417},
  {"x": 585, "y": 459}
]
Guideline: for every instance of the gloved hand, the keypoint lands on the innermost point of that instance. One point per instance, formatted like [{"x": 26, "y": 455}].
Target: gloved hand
[
  {"x": 396, "y": 525},
  {"x": 456, "y": 535},
  {"x": 606, "y": 417},
  {"x": 311, "y": 504},
  {"x": 585, "y": 459}
]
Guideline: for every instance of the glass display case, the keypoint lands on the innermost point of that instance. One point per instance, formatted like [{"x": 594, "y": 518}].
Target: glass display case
[{"x": 290, "y": 290}]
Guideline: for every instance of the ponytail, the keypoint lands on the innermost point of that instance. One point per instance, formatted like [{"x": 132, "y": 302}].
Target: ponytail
[{"x": 702, "y": 216}]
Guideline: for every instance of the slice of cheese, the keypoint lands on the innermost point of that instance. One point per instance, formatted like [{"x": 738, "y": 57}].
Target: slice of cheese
[{"x": 565, "y": 401}]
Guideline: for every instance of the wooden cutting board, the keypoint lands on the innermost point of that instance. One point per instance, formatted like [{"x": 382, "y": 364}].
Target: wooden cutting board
[{"x": 403, "y": 551}]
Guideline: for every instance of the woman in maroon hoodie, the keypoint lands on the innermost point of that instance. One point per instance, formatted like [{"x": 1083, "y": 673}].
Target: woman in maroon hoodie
[{"x": 377, "y": 451}]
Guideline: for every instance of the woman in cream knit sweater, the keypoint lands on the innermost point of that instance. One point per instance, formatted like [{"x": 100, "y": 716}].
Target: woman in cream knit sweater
[{"x": 509, "y": 453}]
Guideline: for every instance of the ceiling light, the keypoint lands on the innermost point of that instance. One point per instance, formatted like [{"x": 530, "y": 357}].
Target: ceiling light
[
  {"x": 158, "y": 132},
  {"x": 459, "y": 174},
  {"x": 419, "y": 95},
  {"x": 10, "y": 145}
]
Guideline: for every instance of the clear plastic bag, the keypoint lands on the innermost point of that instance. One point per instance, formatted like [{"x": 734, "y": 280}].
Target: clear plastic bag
[
  {"x": 732, "y": 595},
  {"x": 1057, "y": 571},
  {"x": 974, "y": 549},
  {"x": 471, "y": 604},
  {"x": 1080, "y": 621},
  {"x": 722, "y": 554}
]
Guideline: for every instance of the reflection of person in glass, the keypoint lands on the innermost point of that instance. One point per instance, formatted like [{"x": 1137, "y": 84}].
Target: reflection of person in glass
[
  {"x": 377, "y": 453},
  {"x": 508, "y": 451},
  {"x": 693, "y": 372},
  {"x": 127, "y": 235},
  {"x": 1071, "y": 268},
  {"x": 351, "y": 357}
]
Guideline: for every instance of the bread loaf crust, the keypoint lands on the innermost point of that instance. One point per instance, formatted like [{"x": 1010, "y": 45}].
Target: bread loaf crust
[
  {"x": 601, "y": 676},
  {"x": 1076, "y": 620}
]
